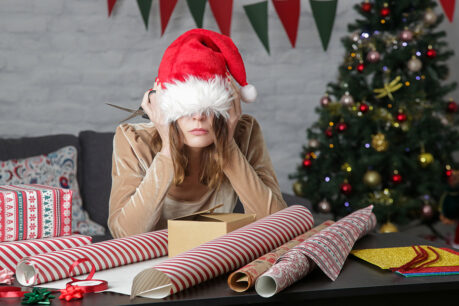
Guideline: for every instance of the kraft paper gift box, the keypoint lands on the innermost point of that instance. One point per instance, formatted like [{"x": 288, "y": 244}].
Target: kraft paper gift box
[{"x": 192, "y": 230}]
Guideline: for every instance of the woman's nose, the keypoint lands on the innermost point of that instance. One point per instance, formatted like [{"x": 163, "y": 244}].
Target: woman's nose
[{"x": 199, "y": 116}]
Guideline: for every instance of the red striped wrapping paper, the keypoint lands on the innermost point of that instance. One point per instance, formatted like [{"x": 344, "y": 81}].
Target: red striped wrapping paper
[
  {"x": 34, "y": 211},
  {"x": 104, "y": 255},
  {"x": 12, "y": 252},
  {"x": 223, "y": 254},
  {"x": 327, "y": 249}
]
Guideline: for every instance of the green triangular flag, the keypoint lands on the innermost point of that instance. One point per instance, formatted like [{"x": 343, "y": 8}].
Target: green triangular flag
[
  {"x": 144, "y": 7},
  {"x": 197, "y": 8},
  {"x": 324, "y": 12},
  {"x": 258, "y": 16}
]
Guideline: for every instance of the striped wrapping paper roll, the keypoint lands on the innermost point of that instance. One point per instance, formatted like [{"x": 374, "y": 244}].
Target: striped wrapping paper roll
[
  {"x": 12, "y": 252},
  {"x": 104, "y": 255},
  {"x": 222, "y": 254},
  {"x": 327, "y": 249}
]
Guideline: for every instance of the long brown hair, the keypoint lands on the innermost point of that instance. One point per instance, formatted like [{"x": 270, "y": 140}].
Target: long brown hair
[{"x": 213, "y": 157}]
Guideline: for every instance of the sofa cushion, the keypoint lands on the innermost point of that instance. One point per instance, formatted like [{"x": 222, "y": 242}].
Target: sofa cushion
[{"x": 96, "y": 156}]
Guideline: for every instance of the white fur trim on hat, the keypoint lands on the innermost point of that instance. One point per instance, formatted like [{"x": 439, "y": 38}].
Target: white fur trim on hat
[{"x": 195, "y": 96}]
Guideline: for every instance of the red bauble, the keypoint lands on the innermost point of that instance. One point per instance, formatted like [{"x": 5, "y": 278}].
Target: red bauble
[
  {"x": 341, "y": 127},
  {"x": 307, "y": 163},
  {"x": 346, "y": 188},
  {"x": 385, "y": 11},
  {"x": 360, "y": 67},
  {"x": 397, "y": 178},
  {"x": 363, "y": 108},
  {"x": 328, "y": 133},
  {"x": 366, "y": 6},
  {"x": 448, "y": 173},
  {"x": 451, "y": 107},
  {"x": 431, "y": 53},
  {"x": 401, "y": 117}
]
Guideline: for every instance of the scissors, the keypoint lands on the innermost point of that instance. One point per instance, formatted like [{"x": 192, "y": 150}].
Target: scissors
[{"x": 134, "y": 112}]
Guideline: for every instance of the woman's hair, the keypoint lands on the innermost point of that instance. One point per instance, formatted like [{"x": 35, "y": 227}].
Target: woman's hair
[{"x": 213, "y": 157}]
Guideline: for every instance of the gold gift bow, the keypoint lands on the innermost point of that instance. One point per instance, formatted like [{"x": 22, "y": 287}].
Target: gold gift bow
[{"x": 388, "y": 89}]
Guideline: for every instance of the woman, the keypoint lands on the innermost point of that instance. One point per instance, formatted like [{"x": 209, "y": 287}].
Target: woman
[{"x": 198, "y": 150}]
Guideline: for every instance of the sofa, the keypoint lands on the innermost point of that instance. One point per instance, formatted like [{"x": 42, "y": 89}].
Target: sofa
[{"x": 94, "y": 167}]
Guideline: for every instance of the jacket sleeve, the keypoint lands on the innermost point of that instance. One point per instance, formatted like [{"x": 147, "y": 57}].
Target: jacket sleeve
[
  {"x": 252, "y": 176},
  {"x": 138, "y": 189}
]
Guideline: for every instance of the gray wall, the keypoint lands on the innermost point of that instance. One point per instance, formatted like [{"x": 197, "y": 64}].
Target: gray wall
[{"x": 60, "y": 61}]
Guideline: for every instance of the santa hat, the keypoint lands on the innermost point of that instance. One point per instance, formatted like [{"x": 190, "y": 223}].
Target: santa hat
[{"x": 193, "y": 75}]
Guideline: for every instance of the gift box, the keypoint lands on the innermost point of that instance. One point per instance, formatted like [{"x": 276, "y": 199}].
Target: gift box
[
  {"x": 34, "y": 211},
  {"x": 192, "y": 230}
]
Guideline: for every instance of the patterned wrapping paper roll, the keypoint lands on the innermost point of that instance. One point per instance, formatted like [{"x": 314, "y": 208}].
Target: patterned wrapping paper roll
[
  {"x": 12, "y": 252},
  {"x": 104, "y": 255},
  {"x": 327, "y": 249},
  {"x": 244, "y": 278},
  {"x": 222, "y": 254}
]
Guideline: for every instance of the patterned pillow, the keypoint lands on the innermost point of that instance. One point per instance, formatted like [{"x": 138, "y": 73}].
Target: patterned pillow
[{"x": 57, "y": 169}]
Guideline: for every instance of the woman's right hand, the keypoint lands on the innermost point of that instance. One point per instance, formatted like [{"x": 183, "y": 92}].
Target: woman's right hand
[{"x": 151, "y": 108}]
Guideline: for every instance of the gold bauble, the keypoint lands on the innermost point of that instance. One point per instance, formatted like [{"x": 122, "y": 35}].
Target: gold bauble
[
  {"x": 297, "y": 188},
  {"x": 425, "y": 159},
  {"x": 372, "y": 178},
  {"x": 379, "y": 142},
  {"x": 388, "y": 227},
  {"x": 346, "y": 167}
]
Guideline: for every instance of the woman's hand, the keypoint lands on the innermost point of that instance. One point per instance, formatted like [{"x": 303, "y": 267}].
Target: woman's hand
[
  {"x": 235, "y": 111},
  {"x": 152, "y": 109}
]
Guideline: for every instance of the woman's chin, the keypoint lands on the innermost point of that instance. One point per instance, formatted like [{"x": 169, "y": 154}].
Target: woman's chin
[{"x": 198, "y": 143}]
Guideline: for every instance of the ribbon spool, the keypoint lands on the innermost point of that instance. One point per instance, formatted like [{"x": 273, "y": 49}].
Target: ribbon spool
[
  {"x": 88, "y": 284},
  {"x": 11, "y": 292}
]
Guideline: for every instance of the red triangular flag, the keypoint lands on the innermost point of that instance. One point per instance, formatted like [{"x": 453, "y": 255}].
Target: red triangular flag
[
  {"x": 289, "y": 14},
  {"x": 222, "y": 10},
  {"x": 448, "y": 7},
  {"x": 166, "y": 7},
  {"x": 111, "y": 4}
]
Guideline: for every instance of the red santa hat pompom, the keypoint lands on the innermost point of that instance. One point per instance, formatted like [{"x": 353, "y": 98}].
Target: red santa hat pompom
[{"x": 193, "y": 75}]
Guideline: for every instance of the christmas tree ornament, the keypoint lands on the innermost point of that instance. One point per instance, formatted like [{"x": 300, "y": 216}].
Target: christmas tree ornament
[
  {"x": 346, "y": 188},
  {"x": 431, "y": 53},
  {"x": 329, "y": 132},
  {"x": 430, "y": 17},
  {"x": 396, "y": 177},
  {"x": 325, "y": 100},
  {"x": 307, "y": 162},
  {"x": 414, "y": 64},
  {"x": 406, "y": 35},
  {"x": 425, "y": 159},
  {"x": 297, "y": 188},
  {"x": 355, "y": 36},
  {"x": 313, "y": 143},
  {"x": 379, "y": 142},
  {"x": 372, "y": 178},
  {"x": 366, "y": 6},
  {"x": 360, "y": 67},
  {"x": 385, "y": 11},
  {"x": 388, "y": 227},
  {"x": 346, "y": 167},
  {"x": 373, "y": 56},
  {"x": 364, "y": 107},
  {"x": 451, "y": 107},
  {"x": 341, "y": 127},
  {"x": 427, "y": 211},
  {"x": 324, "y": 206},
  {"x": 346, "y": 99},
  {"x": 448, "y": 171},
  {"x": 388, "y": 89},
  {"x": 401, "y": 117}
]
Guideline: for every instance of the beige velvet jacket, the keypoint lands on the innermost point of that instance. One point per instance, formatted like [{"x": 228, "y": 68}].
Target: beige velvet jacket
[{"x": 141, "y": 178}]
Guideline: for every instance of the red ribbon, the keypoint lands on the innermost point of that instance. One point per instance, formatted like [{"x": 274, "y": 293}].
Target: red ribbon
[
  {"x": 10, "y": 291},
  {"x": 79, "y": 284}
]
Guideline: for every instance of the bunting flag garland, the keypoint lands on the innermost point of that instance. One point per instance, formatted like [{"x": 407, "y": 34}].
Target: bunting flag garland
[
  {"x": 448, "y": 8},
  {"x": 289, "y": 14},
  {"x": 144, "y": 7},
  {"x": 223, "y": 11},
  {"x": 258, "y": 16},
  {"x": 110, "y": 4},
  {"x": 324, "y": 12},
  {"x": 197, "y": 8},
  {"x": 166, "y": 7}
]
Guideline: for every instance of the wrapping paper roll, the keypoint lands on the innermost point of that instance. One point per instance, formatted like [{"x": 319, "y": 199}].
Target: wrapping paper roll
[
  {"x": 222, "y": 254},
  {"x": 327, "y": 249},
  {"x": 12, "y": 252},
  {"x": 104, "y": 255},
  {"x": 244, "y": 278}
]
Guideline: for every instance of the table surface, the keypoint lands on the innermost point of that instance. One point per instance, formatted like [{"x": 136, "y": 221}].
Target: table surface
[{"x": 357, "y": 283}]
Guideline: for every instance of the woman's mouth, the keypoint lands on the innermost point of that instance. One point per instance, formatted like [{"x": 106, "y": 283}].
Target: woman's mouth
[{"x": 198, "y": 132}]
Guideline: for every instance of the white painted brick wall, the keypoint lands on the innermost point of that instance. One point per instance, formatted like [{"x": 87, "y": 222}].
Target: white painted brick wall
[{"x": 60, "y": 61}]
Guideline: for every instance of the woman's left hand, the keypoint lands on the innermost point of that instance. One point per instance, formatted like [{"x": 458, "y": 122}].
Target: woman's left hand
[{"x": 235, "y": 111}]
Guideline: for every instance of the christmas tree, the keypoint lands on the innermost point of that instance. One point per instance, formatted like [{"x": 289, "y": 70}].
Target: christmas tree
[{"x": 385, "y": 133}]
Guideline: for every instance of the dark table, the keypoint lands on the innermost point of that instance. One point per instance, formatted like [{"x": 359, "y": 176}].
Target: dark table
[{"x": 358, "y": 284}]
